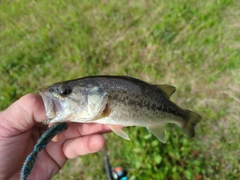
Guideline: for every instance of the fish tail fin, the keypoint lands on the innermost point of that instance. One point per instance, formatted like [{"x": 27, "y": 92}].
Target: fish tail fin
[{"x": 192, "y": 119}]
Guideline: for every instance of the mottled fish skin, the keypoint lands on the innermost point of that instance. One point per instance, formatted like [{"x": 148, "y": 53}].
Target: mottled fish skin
[{"x": 120, "y": 100}]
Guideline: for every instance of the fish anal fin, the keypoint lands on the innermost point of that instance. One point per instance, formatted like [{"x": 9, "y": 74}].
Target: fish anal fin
[
  {"x": 158, "y": 131},
  {"x": 167, "y": 89},
  {"x": 118, "y": 131}
]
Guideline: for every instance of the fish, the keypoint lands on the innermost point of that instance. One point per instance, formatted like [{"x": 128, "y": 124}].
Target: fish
[{"x": 117, "y": 101}]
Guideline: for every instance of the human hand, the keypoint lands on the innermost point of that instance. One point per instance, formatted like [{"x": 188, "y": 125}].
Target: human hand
[{"x": 20, "y": 128}]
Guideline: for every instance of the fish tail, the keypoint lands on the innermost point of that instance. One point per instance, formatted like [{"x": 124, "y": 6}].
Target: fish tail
[{"x": 192, "y": 119}]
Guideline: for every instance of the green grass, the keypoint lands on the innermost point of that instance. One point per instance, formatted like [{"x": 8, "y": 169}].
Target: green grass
[{"x": 193, "y": 45}]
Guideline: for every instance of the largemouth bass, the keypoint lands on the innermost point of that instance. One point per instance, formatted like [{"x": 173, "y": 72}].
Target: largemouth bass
[{"x": 116, "y": 101}]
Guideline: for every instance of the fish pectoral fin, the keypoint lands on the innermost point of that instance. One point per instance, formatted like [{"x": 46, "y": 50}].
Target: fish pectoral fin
[
  {"x": 118, "y": 131},
  {"x": 167, "y": 89},
  {"x": 96, "y": 102},
  {"x": 158, "y": 131}
]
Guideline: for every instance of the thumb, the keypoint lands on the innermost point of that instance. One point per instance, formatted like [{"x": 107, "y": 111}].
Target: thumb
[{"x": 22, "y": 115}]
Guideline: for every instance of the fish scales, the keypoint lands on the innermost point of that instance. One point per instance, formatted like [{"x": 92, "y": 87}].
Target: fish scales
[
  {"x": 129, "y": 97},
  {"x": 116, "y": 101},
  {"x": 137, "y": 92}
]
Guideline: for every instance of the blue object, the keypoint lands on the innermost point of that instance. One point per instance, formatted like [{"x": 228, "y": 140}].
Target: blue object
[
  {"x": 119, "y": 173},
  {"x": 41, "y": 143}
]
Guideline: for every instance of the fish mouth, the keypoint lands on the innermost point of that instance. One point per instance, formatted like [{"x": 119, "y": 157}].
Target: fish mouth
[{"x": 49, "y": 104}]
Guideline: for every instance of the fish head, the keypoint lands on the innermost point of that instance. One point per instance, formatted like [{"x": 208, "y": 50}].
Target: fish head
[{"x": 73, "y": 102}]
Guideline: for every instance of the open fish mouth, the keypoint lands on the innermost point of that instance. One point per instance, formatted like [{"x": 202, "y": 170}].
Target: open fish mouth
[{"x": 50, "y": 105}]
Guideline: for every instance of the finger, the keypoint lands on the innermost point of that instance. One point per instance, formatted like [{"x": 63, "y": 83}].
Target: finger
[
  {"x": 58, "y": 136},
  {"x": 23, "y": 114},
  {"x": 83, "y": 145},
  {"x": 82, "y": 129}
]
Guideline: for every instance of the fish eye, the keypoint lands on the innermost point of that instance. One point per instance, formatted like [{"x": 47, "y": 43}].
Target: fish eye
[{"x": 65, "y": 90}]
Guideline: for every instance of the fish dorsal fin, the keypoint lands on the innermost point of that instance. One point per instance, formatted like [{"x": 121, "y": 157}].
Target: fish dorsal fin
[{"x": 167, "y": 89}]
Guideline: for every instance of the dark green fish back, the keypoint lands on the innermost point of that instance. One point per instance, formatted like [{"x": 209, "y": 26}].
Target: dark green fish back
[{"x": 121, "y": 83}]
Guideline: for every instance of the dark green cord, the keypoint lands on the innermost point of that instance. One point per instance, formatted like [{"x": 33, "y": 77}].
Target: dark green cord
[{"x": 41, "y": 143}]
